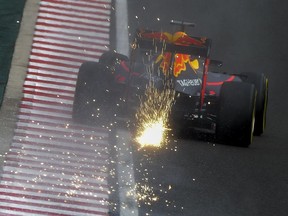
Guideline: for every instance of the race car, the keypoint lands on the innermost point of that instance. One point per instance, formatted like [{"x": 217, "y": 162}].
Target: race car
[{"x": 231, "y": 107}]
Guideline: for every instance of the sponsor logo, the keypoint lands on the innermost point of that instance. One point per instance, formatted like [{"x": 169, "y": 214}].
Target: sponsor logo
[{"x": 189, "y": 82}]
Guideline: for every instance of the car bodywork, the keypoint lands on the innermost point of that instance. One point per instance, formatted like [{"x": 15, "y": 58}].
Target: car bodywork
[{"x": 183, "y": 61}]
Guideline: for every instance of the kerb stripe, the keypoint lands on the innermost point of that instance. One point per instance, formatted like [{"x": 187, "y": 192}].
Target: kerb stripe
[{"x": 55, "y": 166}]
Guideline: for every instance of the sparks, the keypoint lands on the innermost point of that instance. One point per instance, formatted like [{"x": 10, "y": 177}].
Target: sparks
[
  {"x": 153, "y": 133},
  {"x": 143, "y": 194},
  {"x": 152, "y": 116}
]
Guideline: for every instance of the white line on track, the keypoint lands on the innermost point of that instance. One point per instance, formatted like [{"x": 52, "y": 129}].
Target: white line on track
[
  {"x": 125, "y": 167},
  {"x": 122, "y": 45}
]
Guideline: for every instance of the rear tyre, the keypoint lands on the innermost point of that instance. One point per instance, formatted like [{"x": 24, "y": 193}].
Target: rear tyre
[
  {"x": 236, "y": 114},
  {"x": 109, "y": 58},
  {"x": 261, "y": 84},
  {"x": 92, "y": 100}
]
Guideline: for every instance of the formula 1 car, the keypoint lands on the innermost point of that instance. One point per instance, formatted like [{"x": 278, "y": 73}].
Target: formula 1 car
[{"x": 232, "y": 107}]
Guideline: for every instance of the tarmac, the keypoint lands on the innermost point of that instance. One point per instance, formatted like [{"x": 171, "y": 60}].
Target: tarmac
[{"x": 13, "y": 93}]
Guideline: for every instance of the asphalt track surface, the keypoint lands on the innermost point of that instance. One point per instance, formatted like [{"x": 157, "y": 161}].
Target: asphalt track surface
[{"x": 194, "y": 177}]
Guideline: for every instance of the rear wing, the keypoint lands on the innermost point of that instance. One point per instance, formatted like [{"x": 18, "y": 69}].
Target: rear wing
[{"x": 179, "y": 42}]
